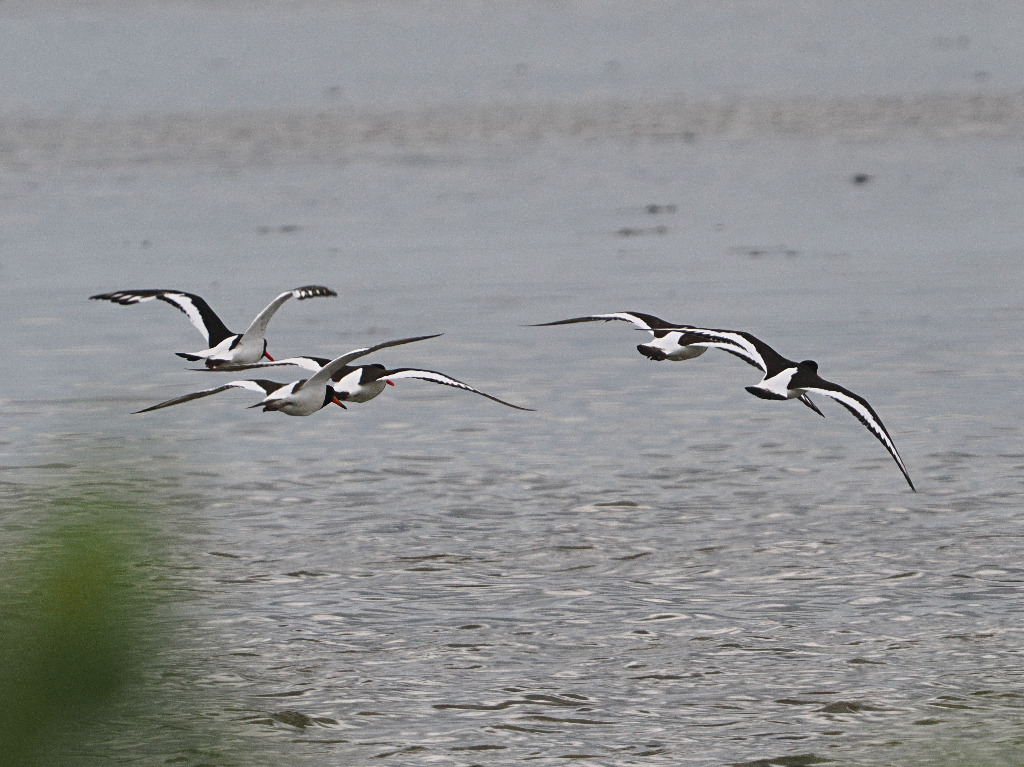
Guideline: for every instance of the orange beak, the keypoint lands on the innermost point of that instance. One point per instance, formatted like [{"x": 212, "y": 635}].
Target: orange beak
[
  {"x": 267, "y": 355},
  {"x": 340, "y": 404},
  {"x": 389, "y": 383}
]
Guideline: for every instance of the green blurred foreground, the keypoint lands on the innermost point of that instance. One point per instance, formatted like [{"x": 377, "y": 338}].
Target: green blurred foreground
[{"x": 76, "y": 610}]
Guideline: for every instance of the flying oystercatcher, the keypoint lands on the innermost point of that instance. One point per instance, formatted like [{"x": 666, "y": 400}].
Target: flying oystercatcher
[
  {"x": 225, "y": 349},
  {"x": 361, "y": 383},
  {"x": 303, "y": 397},
  {"x": 783, "y": 378}
]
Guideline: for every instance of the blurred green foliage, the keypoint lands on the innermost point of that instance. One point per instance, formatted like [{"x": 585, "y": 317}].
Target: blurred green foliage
[{"x": 76, "y": 622}]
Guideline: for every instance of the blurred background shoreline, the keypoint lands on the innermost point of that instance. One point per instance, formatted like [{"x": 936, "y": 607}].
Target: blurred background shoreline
[{"x": 268, "y": 136}]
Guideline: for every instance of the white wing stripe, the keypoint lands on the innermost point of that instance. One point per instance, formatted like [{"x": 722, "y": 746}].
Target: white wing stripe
[
  {"x": 627, "y": 317},
  {"x": 435, "y": 377},
  {"x": 185, "y": 304},
  {"x": 303, "y": 362},
  {"x": 730, "y": 342},
  {"x": 869, "y": 419}
]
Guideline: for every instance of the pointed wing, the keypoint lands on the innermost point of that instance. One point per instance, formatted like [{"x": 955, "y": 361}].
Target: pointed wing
[
  {"x": 192, "y": 306},
  {"x": 441, "y": 378},
  {"x": 324, "y": 374},
  {"x": 261, "y": 386},
  {"x": 259, "y": 325},
  {"x": 640, "y": 320},
  {"x": 307, "y": 363},
  {"x": 864, "y": 413}
]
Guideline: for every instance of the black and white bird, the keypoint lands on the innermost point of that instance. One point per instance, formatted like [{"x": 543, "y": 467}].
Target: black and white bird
[
  {"x": 671, "y": 341},
  {"x": 785, "y": 379},
  {"x": 361, "y": 383},
  {"x": 303, "y": 397},
  {"x": 225, "y": 349}
]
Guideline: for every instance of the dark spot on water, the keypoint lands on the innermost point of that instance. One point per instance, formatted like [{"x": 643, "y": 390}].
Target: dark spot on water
[
  {"x": 543, "y": 718},
  {"x": 656, "y": 209},
  {"x": 797, "y": 760},
  {"x": 294, "y": 719},
  {"x": 409, "y": 750},
  {"x": 765, "y": 251},
  {"x": 639, "y": 231},
  {"x": 995, "y": 694},
  {"x": 516, "y": 728},
  {"x": 968, "y": 637},
  {"x": 426, "y": 557},
  {"x": 860, "y": 178},
  {"x": 848, "y": 707},
  {"x": 552, "y": 700}
]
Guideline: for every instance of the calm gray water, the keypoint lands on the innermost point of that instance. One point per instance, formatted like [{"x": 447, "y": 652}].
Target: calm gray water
[{"x": 652, "y": 569}]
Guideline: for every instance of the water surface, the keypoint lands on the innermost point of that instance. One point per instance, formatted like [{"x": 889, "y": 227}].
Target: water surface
[{"x": 654, "y": 567}]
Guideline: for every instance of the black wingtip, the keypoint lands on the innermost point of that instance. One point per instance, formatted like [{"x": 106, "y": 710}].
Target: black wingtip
[{"x": 313, "y": 291}]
